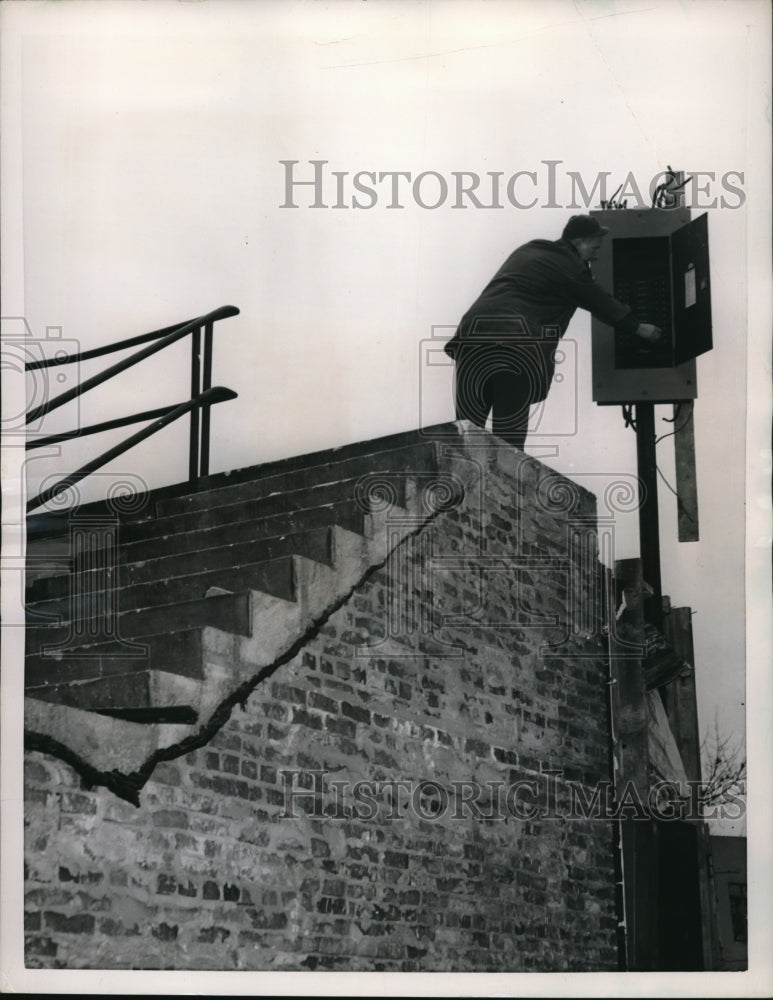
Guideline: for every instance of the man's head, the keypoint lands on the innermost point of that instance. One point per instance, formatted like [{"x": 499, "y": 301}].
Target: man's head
[{"x": 586, "y": 235}]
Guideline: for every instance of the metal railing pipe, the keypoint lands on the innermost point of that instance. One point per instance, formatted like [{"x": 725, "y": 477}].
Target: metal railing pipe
[
  {"x": 206, "y": 382},
  {"x": 222, "y": 313},
  {"x": 217, "y": 394},
  {"x": 121, "y": 345},
  {"x": 106, "y": 425},
  {"x": 193, "y": 450},
  {"x": 98, "y": 352}
]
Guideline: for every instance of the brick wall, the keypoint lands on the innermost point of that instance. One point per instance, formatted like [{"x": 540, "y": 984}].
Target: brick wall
[{"x": 396, "y": 797}]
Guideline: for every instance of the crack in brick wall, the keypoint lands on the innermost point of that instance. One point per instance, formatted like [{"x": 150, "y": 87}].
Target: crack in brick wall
[{"x": 128, "y": 786}]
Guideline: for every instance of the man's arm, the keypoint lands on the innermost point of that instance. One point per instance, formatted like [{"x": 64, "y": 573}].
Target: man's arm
[{"x": 599, "y": 303}]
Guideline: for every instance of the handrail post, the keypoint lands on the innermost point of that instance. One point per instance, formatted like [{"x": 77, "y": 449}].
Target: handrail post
[
  {"x": 206, "y": 384},
  {"x": 202, "y": 396},
  {"x": 177, "y": 334},
  {"x": 193, "y": 453}
]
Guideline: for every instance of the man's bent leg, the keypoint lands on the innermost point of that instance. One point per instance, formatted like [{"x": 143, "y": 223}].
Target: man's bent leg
[
  {"x": 510, "y": 396},
  {"x": 472, "y": 395}
]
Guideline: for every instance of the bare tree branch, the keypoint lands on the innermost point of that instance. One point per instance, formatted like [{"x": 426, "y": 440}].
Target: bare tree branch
[{"x": 723, "y": 762}]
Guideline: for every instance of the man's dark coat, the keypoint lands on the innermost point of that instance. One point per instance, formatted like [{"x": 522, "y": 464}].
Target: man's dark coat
[{"x": 541, "y": 284}]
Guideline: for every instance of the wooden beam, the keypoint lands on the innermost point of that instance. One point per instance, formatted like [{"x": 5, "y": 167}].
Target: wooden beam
[
  {"x": 649, "y": 529},
  {"x": 629, "y": 730},
  {"x": 686, "y": 484},
  {"x": 708, "y": 896},
  {"x": 629, "y": 695},
  {"x": 680, "y": 697}
]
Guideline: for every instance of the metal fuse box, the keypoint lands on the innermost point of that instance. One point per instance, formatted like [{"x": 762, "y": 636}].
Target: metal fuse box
[{"x": 657, "y": 261}]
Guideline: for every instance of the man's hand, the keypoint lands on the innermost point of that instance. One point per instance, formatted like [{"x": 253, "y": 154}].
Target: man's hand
[{"x": 647, "y": 331}]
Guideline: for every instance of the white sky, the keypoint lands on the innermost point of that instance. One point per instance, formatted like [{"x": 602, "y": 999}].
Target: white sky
[{"x": 142, "y": 149}]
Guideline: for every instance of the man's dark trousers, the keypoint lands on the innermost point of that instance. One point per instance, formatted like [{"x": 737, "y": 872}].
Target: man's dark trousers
[{"x": 497, "y": 381}]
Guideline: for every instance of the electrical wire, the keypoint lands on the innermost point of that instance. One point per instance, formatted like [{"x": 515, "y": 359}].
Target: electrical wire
[
  {"x": 682, "y": 509},
  {"x": 631, "y": 422},
  {"x": 676, "y": 430},
  {"x": 657, "y": 469},
  {"x": 664, "y": 195},
  {"x": 673, "y": 420},
  {"x": 628, "y": 416}
]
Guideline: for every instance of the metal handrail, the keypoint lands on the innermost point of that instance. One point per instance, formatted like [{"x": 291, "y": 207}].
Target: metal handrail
[
  {"x": 202, "y": 397},
  {"x": 217, "y": 394},
  {"x": 192, "y": 326},
  {"x": 106, "y": 425},
  {"x": 117, "y": 345}
]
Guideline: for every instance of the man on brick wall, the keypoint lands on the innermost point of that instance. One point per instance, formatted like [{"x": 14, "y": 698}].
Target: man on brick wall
[{"x": 504, "y": 347}]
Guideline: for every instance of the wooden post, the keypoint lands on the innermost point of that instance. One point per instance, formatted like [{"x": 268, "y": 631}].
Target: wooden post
[
  {"x": 649, "y": 526},
  {"x": 628, "y": 713},
  {"x": 686, "y": 485},
  {"x": 708, "y": 894},
  {"x": 680, "y": 698},
  {"x": 629, "y": 705}
]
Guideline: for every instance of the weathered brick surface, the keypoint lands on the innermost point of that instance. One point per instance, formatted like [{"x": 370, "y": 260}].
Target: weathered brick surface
[{"x": 463, "y": 686}]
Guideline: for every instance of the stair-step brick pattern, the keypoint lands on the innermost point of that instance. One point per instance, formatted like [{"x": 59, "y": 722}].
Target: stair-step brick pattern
[{"x": 142, "y": 623}]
